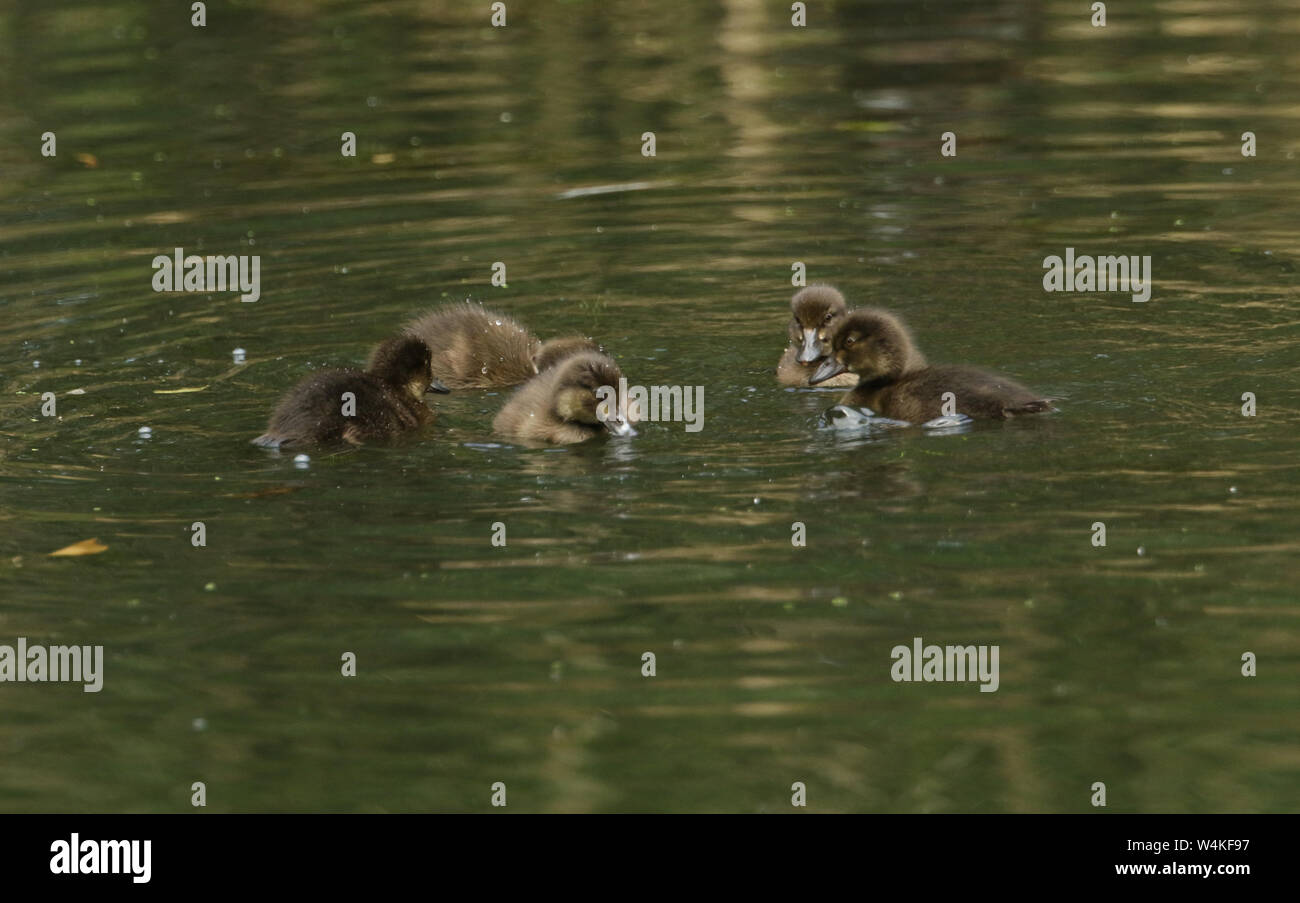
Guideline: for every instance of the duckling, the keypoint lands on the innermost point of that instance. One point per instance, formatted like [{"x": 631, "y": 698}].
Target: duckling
[
  {"x": 895, "y": 381},
  {"x": 555, "y": 350},
  {"x": 560, "y": 404},
  {"x": 475, "y": 348},
  {"x": 814, "y": 310},
  {"x": 387, "y": 399}
]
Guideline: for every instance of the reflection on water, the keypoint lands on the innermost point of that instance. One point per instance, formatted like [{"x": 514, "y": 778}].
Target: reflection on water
[{"x": 522, "y": 663}]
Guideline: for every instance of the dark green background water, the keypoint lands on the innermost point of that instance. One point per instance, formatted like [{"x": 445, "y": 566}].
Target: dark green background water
[{"x": 522, "y": 664}]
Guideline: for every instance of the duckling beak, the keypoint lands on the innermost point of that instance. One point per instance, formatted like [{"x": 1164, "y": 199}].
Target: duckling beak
[
  {"x": 436, "y": 386},
  {"x": 619, "y": 427},
  {"x": 812, "y": 348},
  {"x": 830, "y": 367}
]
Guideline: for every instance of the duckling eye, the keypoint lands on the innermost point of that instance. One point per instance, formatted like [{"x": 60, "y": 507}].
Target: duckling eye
[
  {"x": 849, "y": 341},
  {"x": 829, "y": 317}
]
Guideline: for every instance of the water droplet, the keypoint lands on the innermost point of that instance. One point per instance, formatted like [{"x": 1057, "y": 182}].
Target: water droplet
[
  {"x": 145, "y": 432},
  {"x": 238, "y": 354},
  {"x": 302, "y": 462}
]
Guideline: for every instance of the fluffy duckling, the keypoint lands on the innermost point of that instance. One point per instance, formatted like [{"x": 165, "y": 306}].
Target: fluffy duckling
[
  {"x": 814, "y": 310},
  {"x": 474, "y": 348},
  {"x": 555, "y": 350},
  {"x": 562, "y": 405},
  {"x": 388, "y": 398},
  {"x": 895, "y": 381}
]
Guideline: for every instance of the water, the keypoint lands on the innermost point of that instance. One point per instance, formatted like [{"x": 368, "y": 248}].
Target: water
[{"x": 522, "y": 664}]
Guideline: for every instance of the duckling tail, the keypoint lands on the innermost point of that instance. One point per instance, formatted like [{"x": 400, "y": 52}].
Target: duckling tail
[{"x": 1037, "y": 406}]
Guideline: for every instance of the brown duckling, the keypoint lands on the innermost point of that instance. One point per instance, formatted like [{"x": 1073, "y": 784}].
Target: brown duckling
[
  {"x": 895, "y": 381},
  {"x": 555, "y": 350},
  {"x": 814, "y": 310},
  {"x": 387, "y": 399},
  {"x": 475, "y": 348},
  {"x": 562, "y": 404}
]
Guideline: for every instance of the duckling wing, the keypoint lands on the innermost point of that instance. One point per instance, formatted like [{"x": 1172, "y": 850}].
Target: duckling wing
[{"x": 975, "y": 393}]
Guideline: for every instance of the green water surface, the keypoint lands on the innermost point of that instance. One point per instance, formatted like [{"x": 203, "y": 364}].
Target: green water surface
[{"x": 523, "y": 664}]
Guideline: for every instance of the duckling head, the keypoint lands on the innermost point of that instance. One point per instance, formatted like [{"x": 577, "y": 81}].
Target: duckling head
[
  {"x": 555, "y": 350},
  {"x": 586, "y": 392},
  {"x": 814, "y": 311},
  {"x": 872, "y": 343},
  {"x": 405, "y": 363}
]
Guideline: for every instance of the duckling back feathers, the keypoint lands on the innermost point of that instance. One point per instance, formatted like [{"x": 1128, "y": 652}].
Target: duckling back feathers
[{"x": 476, "y": 348}]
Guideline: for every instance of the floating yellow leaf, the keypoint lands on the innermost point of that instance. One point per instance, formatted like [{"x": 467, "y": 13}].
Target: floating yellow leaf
[
  {"x": 178, "y": 391},
  {"x": 382, "y": 159},
  {"x": 88, "y": 160},
  {"x": 85, "y": 547}
]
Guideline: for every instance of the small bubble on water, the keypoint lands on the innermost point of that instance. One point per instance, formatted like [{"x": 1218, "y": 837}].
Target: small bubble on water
[
  {"x": 144, "y": 432},
  {"x": 238, "y": 355},
  {"x": 36, "y": 364},
  {"x": 302, "y": 462},
  {"x": 1142, "y": 550},
  {"x": 506, "y": 117},
  {"x": 1232, "y": 490},
  {"x": 199, "y": 724}
]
